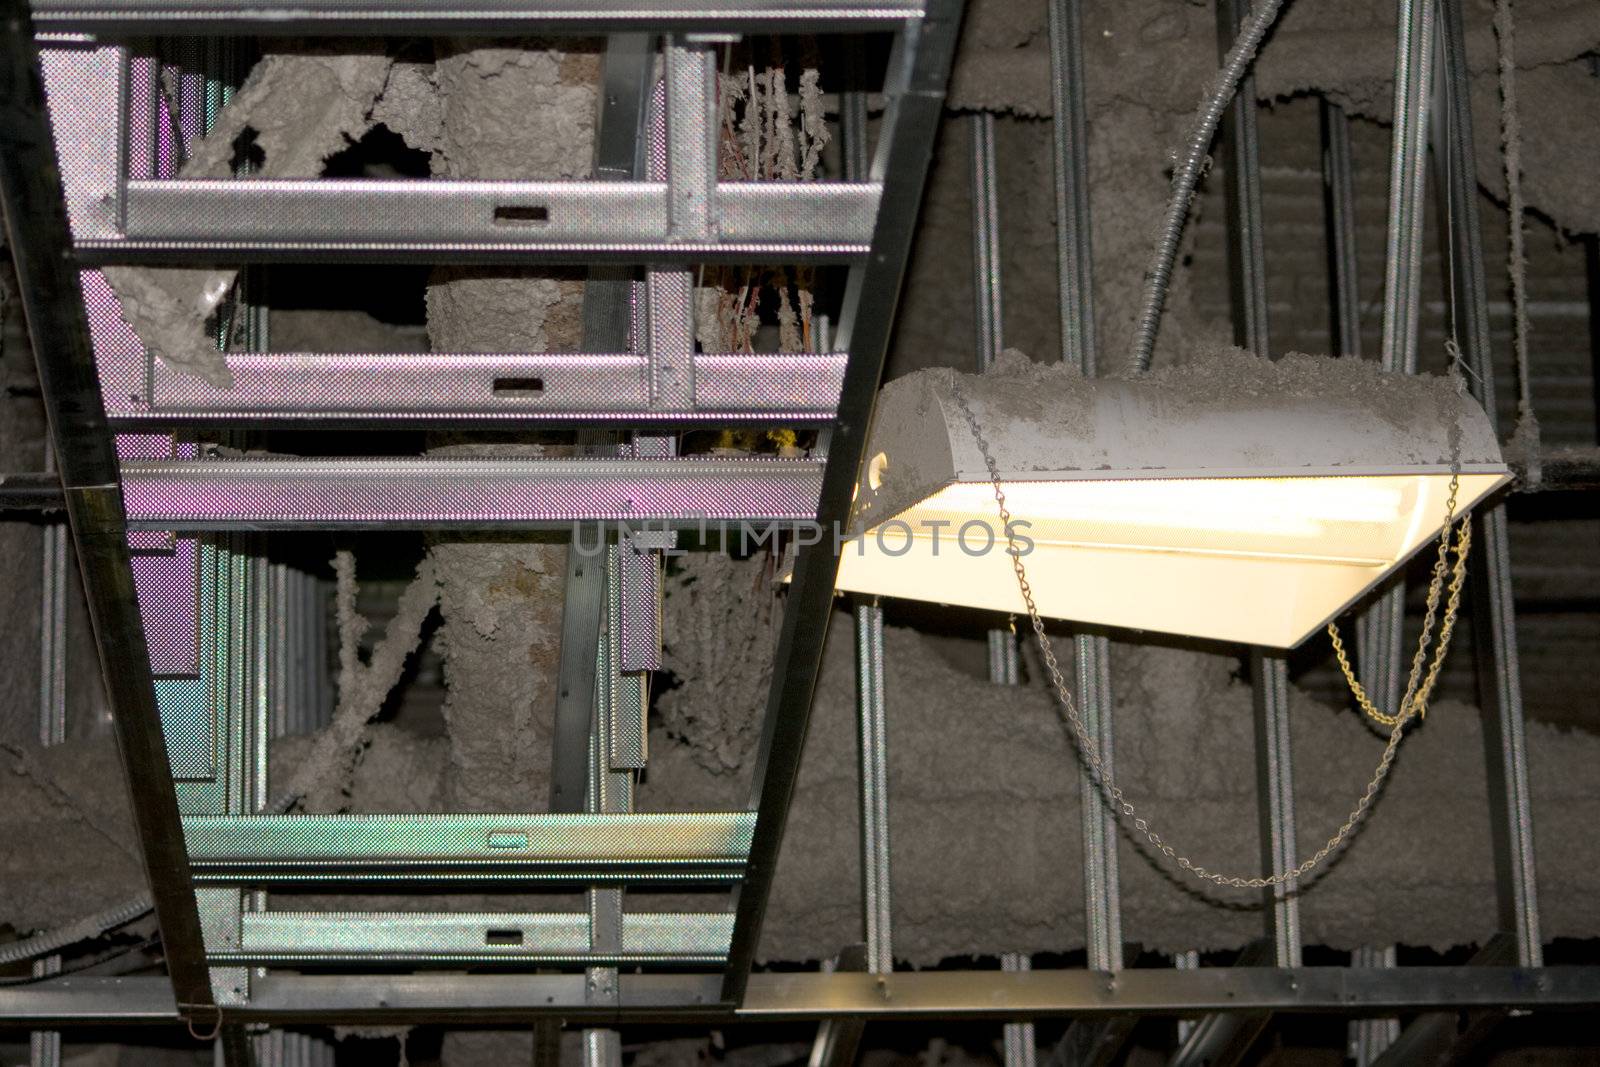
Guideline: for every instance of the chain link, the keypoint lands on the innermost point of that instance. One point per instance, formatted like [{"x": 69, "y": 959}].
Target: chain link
[
  {"x": 1088, "y": 752},
  {"x": 1418, "y": 687}
]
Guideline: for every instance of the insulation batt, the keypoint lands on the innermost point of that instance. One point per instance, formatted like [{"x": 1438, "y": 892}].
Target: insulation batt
[
  {"x": 507, "y": 112},
  {"x": 295, "y": 109},
  {"x": 984, "y": 811}
]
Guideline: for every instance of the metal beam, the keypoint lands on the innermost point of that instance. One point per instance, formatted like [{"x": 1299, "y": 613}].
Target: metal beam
[
  {"x": 427, "y": 18},
  {"x": 838, "y": 1039},
  {"x": 455, "y": 939},
  {"x": 32, "y": 491},
  {"x": 1439, "y": 1038},
  {"x": 1269, "y": 671},
  {"x": 605, "y": 385},
  {"x": 261, "y": 220},
  {"x": 331, "y": 849},
  {"x": 789, "y": 996},
  {"x": 213, "y": 495},
  {"x": 626, "y": 77},
  {"x": 1557, "y": 468},
  {"x": 918, "y": 71},
  {"x": 35, "y": 211},
  {"x": 1226, "y": 1037},
  {"x": 576, "y": 678}
]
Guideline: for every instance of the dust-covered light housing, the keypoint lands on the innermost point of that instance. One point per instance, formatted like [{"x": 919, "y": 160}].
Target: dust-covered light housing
[{"x": 1237, "y": 502}]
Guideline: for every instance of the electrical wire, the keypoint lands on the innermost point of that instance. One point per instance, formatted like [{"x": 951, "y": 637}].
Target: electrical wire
[
  {"x": 84, "y": 965},
  {"x": 1186, "y": 176},
  {"x": 90, "y": 926}
]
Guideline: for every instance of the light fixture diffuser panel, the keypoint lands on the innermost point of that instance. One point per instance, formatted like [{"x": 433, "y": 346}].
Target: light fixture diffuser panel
[
  {"x": 1236, "y": 518},
  {"x": 1269, "y": 569}
]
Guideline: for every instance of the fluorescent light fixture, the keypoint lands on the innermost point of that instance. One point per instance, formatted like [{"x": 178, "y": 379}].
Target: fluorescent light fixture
[{"x": 1238, "y": 503}]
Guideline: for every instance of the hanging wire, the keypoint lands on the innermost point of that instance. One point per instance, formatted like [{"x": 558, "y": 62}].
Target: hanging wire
[{"x": 1516, "y": 256}]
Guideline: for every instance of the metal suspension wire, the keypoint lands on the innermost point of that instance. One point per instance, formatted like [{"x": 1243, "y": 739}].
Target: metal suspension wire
[
  {"x": 1186, "y": 175},
  {"x": 1087, "y": 752}
]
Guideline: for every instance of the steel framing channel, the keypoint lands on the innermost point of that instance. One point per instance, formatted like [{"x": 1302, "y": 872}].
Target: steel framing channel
[
  {"x": 586, "y": 389},
  {"x": 333, "y": 851},
  {"x": 988, "y": 292},
  {"x": 626, "y": 77},
  {"x": 44, "y": 1046},
  {"x": 1380, "y": 628},
  {"x": 1339, "y": 198},
  {"x": 52, "y": 296},
  {"x": 1074, "y": 244},
  {"x": 1369, "y": 1037},
  {"x": 602, "y": 1048},
  {"x": 576, "y": 680},
  {"x": 1075, "y": 275},
  {"x": 482, "y": 17},
  {"x": 914, "y": 87},
  {"x": 290, "y": 938},
  {"x": 787, "y": 996},
  {"x": 837, "y": 1041},
  {"x": 1494, "y": 612},
  {"x": 1019, "y": 1048},
  {"x": 344, "y": 494},
  {"x": 610, "y": 790},
  {"x": 1407, "y": 182},
  {"x": 398, "y": 220},
  {"x": 873, "y": 749},
  {"x": 1275, "y": 785},
  {"x": 1378, "y": 655}
]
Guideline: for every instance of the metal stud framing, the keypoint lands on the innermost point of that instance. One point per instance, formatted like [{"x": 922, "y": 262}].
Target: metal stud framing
[
  {"x": 683, "y": 214},
  {"x": 868, "y": 225},
  {"x": 915, "y": 85},
  {"x": 52, "y": 297}
]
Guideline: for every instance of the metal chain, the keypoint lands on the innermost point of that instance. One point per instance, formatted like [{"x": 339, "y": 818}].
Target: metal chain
[
  {"x": 1088, "y": 752},
  {"x": 1418, "y": 687}
]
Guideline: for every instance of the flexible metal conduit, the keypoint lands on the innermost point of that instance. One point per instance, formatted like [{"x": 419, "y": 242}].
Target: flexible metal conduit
[
  {"x": 52, "y": 941},
  {"x": 1187, "y": 176},
  {"x": 91, "y": 926}
]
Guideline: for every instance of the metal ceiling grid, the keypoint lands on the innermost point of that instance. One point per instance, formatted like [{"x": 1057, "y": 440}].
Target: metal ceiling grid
[
  {"x": 211, "y": 849},
  {"x": 663, "y": 221}
]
